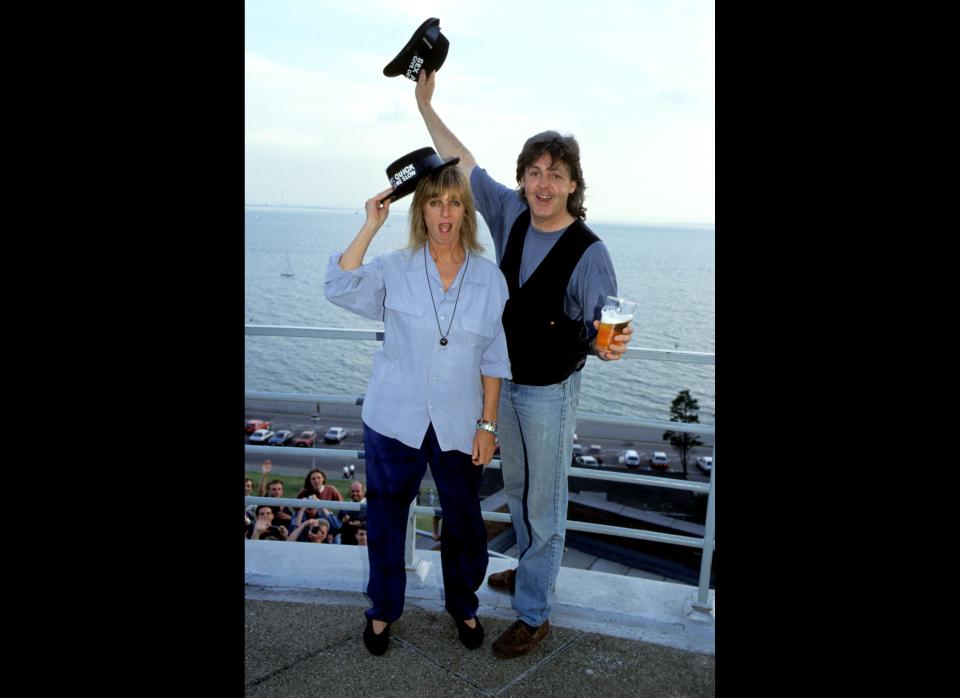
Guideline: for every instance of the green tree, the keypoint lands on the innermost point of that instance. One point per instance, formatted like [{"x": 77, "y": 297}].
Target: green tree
[{"x": 683, "y": 409}]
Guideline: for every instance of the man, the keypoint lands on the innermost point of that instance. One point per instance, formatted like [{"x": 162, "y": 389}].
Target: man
[
  {"x": 559, "y": 274},
  {"x": 352, "y": 520},
  {"x": 264, "y": 527},
  {"x": 274, "y": 488}
]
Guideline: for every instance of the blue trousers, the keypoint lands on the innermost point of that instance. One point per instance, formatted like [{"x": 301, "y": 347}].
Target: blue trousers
[
  {"x": 536, "y": 443},
  {"x": 394, "y": 473}
]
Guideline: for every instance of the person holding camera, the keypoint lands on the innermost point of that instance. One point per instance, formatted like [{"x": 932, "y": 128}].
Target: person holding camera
[
  {"x": 311, "y": 531},
  {"x": 264, "y": 528},
  {"x": 306, "y": 514}
]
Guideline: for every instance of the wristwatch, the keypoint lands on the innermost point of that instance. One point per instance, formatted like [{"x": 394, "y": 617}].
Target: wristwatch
[{"x": 487, "y": 426}]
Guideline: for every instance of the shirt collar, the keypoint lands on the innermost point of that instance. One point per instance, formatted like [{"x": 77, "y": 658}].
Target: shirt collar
[{"x": 417, "y": 260}]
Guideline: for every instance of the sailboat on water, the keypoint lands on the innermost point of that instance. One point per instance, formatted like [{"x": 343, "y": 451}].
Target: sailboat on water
[{"x": 289, "y": 270}]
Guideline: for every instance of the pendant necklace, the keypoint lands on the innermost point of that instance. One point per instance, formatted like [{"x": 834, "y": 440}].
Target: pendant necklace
[{"x": 443, "y": 337}]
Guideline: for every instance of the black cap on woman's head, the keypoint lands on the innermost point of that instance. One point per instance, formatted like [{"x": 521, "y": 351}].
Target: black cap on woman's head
[{"x": 406, "y": 172}]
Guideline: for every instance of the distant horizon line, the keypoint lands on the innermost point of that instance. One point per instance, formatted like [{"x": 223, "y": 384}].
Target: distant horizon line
[{"x": 648, "y": 221}]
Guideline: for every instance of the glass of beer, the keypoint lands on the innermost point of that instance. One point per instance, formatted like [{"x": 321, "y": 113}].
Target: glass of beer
[{"x": 615, "y": 315}]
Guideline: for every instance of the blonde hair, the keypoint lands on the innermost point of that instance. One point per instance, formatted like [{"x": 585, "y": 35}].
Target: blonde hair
[{"x": 438, "y": 184}]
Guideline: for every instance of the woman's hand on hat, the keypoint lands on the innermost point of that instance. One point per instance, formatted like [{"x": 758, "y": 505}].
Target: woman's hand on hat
[{"x": 378, "y": 207}]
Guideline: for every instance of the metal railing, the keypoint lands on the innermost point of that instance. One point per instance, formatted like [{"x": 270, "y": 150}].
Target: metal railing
[{"x": 707, "y": 543}]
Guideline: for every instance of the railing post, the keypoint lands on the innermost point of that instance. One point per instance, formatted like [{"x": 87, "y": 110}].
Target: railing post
[
  {"x": 702, "y": 603},
  {"x": 411, "y": 542}
]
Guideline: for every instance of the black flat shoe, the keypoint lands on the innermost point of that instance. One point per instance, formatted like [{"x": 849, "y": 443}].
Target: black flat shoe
[
  {"x": 377, "y": 644},
  {"x": 471, "y": 638}
]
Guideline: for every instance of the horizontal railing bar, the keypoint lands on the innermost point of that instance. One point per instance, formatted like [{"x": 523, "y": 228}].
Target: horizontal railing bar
[
  {"x": 295, "y": 452},
  {"x": 305, "y": 398},
  {"x": 634, "y": 533},
  {"x": 293, "y": 502},
  {"x": 496, "y": 516},
  {"x": 632, "y": 479},
  {"x": 312, "y": 332},
  {"x": 687, "y": 357},
  {"x": 690, "y": 428},
  {"x": 683, "y": 357}
]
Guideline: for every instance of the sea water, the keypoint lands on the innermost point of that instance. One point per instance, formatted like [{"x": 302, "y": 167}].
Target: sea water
[{"x": 668, "y": 270}]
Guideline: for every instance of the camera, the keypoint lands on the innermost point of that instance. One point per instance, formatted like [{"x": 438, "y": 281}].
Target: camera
[{"x": 273, "y": 532}]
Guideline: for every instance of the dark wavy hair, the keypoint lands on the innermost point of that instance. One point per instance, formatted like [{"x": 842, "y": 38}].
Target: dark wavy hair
[{"x": 562, "y": 148}]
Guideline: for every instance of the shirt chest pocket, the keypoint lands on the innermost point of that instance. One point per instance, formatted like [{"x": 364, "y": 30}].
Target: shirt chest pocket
[
  {"x": 478, "y": 326},
  {"x": 402, "y": 302}
]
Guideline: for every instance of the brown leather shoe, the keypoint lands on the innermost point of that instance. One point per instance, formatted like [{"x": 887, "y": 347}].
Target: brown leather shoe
[
  {"x": 503, "y": 581},
  {"x": 519, "y": 639}
]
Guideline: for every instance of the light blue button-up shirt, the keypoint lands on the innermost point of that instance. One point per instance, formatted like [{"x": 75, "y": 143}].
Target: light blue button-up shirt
[{"x": 415, "y": 380}]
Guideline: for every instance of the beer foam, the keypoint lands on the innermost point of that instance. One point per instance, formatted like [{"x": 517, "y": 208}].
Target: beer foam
[{"x": 612, "y": 316}]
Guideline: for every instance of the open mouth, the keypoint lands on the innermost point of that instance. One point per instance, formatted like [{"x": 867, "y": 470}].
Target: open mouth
[{"x": 446, "y": 227}]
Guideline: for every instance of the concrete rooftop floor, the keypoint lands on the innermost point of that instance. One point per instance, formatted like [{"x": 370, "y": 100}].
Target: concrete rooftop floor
[
  {"x": 300, "y": 648},
  {"x": 610, "y": 634}
]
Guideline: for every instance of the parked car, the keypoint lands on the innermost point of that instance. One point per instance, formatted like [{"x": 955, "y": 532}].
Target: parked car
[
  {"x": 281, "y": 438},
  {"x": 577, "y": 450},
  {"x": 261, "y": 436},
  {"x": 306, "y": 438},
  {"x": 586, "y": 460},
  {"x": 630, "y": 458},
  {"x": 335, "y": 435},
  {"x": 251, "y": 425},
  {"x": 705, "y": 463},
  {"x": 659, "y": 460}
]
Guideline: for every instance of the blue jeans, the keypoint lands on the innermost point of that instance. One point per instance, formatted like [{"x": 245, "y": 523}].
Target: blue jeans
[
  {"x": 536, "y": 426},
  {"x": 394, "y": 473}
]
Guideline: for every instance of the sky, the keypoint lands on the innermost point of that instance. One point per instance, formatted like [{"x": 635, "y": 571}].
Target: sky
[{"x": 632, "y": 81}]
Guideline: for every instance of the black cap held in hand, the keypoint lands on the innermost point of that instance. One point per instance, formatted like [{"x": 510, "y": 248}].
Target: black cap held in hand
[{"x": 426, "y": 50}]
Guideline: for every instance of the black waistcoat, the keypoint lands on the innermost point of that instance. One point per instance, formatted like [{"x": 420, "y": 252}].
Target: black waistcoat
[{"x": 545, "y": 345}]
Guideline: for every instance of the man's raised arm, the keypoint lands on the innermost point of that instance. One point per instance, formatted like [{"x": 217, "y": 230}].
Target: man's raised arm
[{"x": 444, "y": 141}]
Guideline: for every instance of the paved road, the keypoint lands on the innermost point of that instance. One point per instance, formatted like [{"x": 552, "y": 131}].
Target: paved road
[{"x": 297, "y": 423}]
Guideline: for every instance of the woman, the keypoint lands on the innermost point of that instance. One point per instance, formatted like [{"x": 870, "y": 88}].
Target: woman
[
  {"x": 315, "y": 483},
  {"x": 433, "y": 395}
]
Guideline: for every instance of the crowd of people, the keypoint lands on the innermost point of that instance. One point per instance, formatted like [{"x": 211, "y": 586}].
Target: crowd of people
[{"x": 306, "y": 524}]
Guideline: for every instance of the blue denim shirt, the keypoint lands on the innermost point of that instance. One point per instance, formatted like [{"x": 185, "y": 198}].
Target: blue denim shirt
[{"x": 416, "y": 381}]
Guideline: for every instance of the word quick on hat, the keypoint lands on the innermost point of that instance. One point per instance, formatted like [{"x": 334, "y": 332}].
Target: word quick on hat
[{"x": 406, "y": 172}]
